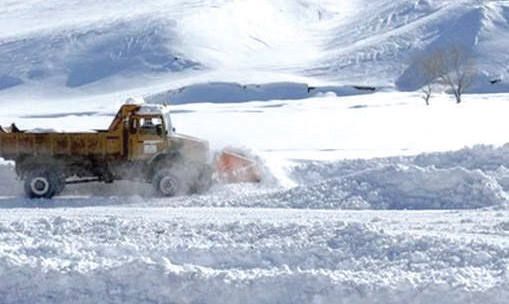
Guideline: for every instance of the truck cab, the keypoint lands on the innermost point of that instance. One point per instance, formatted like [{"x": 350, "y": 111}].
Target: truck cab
[
  {"x": 147, "y": 132},
  {"x": 151, "y": 148}
]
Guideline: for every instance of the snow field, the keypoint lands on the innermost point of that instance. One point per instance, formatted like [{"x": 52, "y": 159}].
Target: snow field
[{"x": 98, "y": 243}]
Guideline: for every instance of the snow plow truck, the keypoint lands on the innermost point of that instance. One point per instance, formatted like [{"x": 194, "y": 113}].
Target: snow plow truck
[{"x": 140, "y": 145}]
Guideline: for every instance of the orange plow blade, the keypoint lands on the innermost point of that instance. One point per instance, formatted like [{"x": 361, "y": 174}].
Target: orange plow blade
[{"x": 234, "y": 168}]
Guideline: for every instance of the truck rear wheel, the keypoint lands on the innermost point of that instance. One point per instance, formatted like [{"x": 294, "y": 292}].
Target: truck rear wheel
[{"x": 41, "y": 184}]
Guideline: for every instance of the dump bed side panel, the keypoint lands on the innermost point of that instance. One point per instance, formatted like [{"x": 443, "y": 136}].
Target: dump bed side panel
[
  {"x": 9, "y": 144},
  {"x": 67, "y": 144}
]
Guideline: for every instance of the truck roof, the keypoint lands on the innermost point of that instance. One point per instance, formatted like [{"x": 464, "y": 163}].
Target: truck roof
[
  {"x": 152, "y": 109},
  {"x": 136, "y": 106},
  {"x": 145, "y": 108}
]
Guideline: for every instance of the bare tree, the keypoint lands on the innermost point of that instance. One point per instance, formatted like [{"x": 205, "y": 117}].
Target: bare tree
[
  {"x": 427, "y": 90},
  {"x": 429, "y": 71},
  {"x": 452, "y": 67}
]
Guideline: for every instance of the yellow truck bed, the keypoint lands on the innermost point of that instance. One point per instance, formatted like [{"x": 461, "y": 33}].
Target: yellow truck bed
[{"x": 14, "y": 144}]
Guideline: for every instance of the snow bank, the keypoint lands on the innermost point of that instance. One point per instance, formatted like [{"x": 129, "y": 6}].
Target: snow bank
[
  {"x": 466, "y": 179},
  {"x": 401, "y": 187},
  {"x": 483, "y": 157},
  {"x": 469, "y": 178},
  {"x": 489, "y": 159}
]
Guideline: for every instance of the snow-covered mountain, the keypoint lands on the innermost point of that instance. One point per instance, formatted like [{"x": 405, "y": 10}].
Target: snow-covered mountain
[{"x": 94, "y": 46}]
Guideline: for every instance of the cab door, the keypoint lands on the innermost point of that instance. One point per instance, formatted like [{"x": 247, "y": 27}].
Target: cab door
[{"x": 146, "y": 138}]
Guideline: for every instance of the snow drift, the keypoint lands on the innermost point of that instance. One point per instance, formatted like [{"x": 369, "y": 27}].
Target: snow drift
[
  {"x": 469, "y": 178},
  {"x": 402, "y": 187}
]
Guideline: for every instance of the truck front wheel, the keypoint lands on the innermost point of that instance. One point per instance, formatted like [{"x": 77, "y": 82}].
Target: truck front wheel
[
  {"x": 167, "y": 183},
  {"x": 41, "y": 184}
]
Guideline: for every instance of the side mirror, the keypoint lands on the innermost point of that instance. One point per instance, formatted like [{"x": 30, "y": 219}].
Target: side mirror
[{"x": 159, "y": 130}]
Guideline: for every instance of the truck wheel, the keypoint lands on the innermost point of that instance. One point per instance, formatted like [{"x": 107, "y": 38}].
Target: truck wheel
[
  {"x": 168, "y": 184},
  {"x": 41, "y": 184}
]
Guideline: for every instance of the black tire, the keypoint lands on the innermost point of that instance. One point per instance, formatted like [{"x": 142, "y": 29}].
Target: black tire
[
  {"x": 168, "y": 184},
  {"x": 41, "y": 184},
  {"x": 176, "y": 179}
]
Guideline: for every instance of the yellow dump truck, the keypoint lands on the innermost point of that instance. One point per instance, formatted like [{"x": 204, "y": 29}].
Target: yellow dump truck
[{"x": 140, "y": 144}]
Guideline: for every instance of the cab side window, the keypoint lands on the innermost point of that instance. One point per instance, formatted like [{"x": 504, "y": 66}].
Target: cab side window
[{"x": 151, "y": 125}]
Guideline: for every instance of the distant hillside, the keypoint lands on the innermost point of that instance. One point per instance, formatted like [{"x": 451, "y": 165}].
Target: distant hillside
[{"x": 89, "y": 44}]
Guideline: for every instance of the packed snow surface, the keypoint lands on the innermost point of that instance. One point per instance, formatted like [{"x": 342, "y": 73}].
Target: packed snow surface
[{"x": 200, "y": 255}]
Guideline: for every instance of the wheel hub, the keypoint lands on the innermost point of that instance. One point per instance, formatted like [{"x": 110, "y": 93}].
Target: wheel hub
[
  {"x": 39, "y": 185},
  {"x": 168, "y": 185}
]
